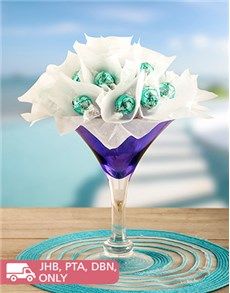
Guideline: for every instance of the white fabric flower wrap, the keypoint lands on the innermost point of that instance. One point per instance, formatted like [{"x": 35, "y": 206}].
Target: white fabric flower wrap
[{"x": 115, "y": 89}]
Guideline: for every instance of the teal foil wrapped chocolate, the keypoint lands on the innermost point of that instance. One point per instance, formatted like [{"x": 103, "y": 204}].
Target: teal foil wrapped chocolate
[
  {"x": 81, "y": 104},
  {"x": 104, "y": 78},
  {"x": 125, "y": 104},
  {"x": 76, "y": 77},
  {"x": 167, "y": 90},
  {"x": 149, "y": 97},
  {"x": 146, "y": 67}
]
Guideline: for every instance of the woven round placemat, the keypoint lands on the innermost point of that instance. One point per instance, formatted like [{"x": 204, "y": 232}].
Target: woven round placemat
[{"x": 182, "y": 263}]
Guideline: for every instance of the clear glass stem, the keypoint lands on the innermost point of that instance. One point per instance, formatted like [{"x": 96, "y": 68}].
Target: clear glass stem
[{"x": 118, "y": 245}]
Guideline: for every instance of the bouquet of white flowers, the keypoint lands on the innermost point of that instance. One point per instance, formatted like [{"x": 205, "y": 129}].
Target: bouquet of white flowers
[{"x": 115, "y": 89}]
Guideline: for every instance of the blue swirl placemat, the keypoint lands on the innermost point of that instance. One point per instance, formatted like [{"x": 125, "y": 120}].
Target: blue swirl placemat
[{"x": 203, "y": 266}]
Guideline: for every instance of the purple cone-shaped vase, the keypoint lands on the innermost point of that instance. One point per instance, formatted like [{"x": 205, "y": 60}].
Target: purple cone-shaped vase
[{"x": 121, "y": 161}]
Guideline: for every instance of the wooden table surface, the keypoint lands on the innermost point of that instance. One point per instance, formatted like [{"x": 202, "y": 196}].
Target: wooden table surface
[{"x": 23, "y": 227}]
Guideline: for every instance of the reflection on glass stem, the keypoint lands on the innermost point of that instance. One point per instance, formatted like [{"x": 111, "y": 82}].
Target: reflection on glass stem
[{"x": 118, "y": 242}]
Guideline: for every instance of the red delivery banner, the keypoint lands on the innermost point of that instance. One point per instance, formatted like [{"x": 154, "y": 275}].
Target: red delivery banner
[{"x": 59, "y": 272}]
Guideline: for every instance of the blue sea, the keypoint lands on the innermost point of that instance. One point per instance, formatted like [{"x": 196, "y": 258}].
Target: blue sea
[{"x": 40, "y": 167}]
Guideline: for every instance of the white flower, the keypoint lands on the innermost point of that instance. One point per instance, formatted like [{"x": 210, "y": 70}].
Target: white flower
[
  {"x": 33, "y": 95},
  {"x": 53, "y": 94},
  {"x": 107, "y": 103},
  {"x": 106, "y": 56},
  {"x": 184, "y": 99},
  {"x": 72, "y": 68},
  {"x": 107, "y": 46},
  {"x": 117, "y": 81},
  {"x": 158, "y": 62}
]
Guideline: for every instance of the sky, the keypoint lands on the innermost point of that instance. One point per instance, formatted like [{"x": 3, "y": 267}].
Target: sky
[{"x": 36, "y": 34}]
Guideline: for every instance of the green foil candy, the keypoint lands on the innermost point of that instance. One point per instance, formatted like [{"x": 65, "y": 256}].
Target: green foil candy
[
  {"x": 167, "y": 90},
  {"x": 149, "y": 97},
  {"x": 81, "y": 104},
  {"x": 125, "y": 104},
  {"x": 147, "y": 67},
  {"x": 76, "y": 77},
  {"x": 104, "y": 78}
]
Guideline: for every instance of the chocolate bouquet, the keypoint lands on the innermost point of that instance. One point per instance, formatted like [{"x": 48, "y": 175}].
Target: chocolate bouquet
[{"x": 115, "y": 89}]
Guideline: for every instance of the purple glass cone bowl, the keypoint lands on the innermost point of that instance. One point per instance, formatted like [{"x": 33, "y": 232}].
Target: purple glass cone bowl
[{"x": 121, "y": 161}]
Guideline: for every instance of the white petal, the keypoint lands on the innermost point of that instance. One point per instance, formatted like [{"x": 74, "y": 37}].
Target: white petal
[
  {"x": 169, "y": 76},
  {"x": 203, "y": 95},
  {"x": 105, "y": 44},
  {"x": 189, "y": 112},
  {"x": 32, "y": 95},
  {"x": 38, "y": 112},
  {"x": 128, "y": 72},
  {"x": 67, "y": 124},
  {"x": 70, "y": 65}
]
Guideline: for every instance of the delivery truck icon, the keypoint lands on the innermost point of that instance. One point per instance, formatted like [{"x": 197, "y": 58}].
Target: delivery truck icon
[{"x": 16, "y": 271}]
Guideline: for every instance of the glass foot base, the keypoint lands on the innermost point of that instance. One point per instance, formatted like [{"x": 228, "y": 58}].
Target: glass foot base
[
  {"x": 131, "y": 263},
  {"x": 181, "y": 263}
]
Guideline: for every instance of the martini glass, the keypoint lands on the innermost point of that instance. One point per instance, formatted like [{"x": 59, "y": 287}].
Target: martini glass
[{"x": 119, "y": 164}]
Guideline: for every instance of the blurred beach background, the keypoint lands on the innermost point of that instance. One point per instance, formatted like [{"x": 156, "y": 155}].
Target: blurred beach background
[{"x": 187, "y": 166}]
